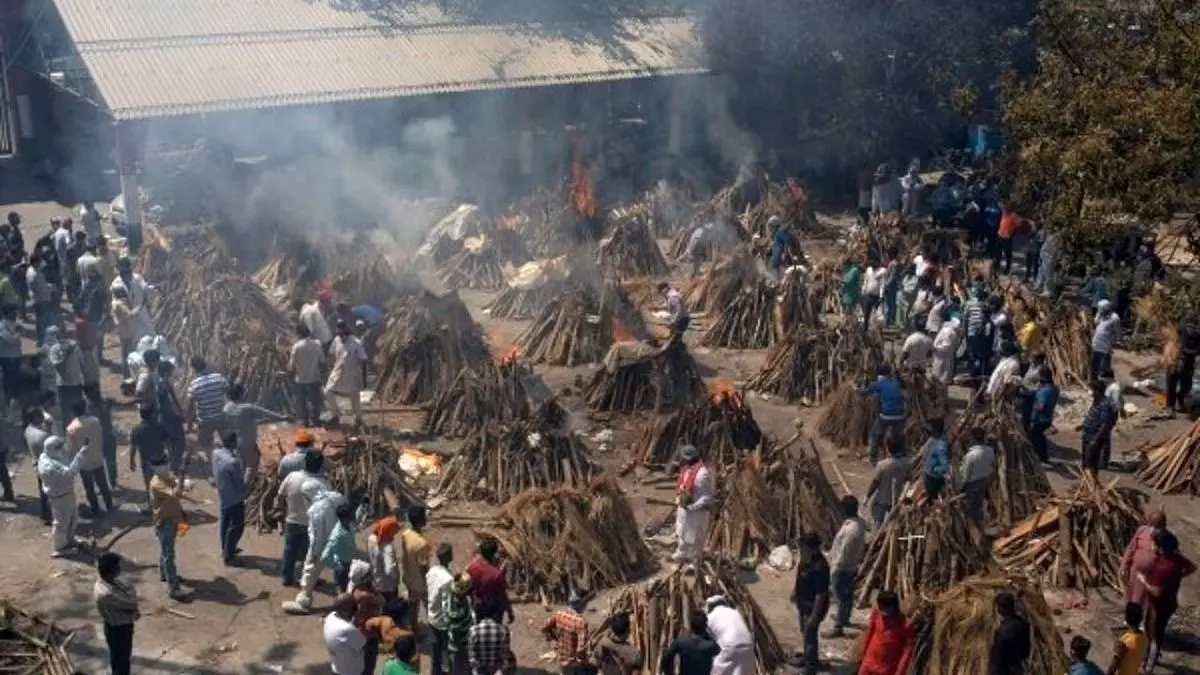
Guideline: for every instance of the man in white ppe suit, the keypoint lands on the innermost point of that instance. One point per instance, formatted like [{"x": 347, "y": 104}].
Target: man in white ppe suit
[
  {"x": 694, "y": 500},
  {"x": 732, "y": 635},
  {"x": 58, "y": 482},
  {"x": 322, "y": 517}
]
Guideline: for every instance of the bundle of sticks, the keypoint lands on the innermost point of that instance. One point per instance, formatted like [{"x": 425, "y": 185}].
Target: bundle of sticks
[
  {"x": 664, "y": 378},
  {"x": 261, "y": 493},
  {"x": 1066, "y": 331},
  {"x": 367, "y": 471},
  {"x": 223, "y": 316},
  {"x": 32, "y": 644},
  {"x": 922, "y": 548},
  {"x": 549, "y": 224},
  {"x": 809, "y": 364},
  {"x": 1076, "y": 541},
  {"x": 848, "y": 416},
  {"x": 501, "y": 391},
  {"x": 659, "y": 611},
  {"x": 721, "y": 234},
  {"x": 576, "y": 328},
  {"x": 374, "y": 281},
  {"x": 630, "y": 251},
  {"x": 717, "y": 288},
  {"x": 557, "y": 539},
  {"x": 502, "y": 460},
  {"x": 426, "y": 341},
  {"x": 1174, "y": 465},
  {"x": 721, "y": 425},
  {"x": 754, "y": 319},
  {"x": 954, "y": 628},
  {"x": 478, "y": 268},
  {"x": 769, "y": 499},
  {"x": 519, "y": 304}
]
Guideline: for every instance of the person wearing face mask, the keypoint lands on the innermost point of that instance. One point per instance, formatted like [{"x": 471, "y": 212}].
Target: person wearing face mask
[{"x": 57, "y": 473}]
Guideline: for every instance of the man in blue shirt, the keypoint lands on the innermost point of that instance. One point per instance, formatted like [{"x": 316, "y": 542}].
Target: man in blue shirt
[
  {"x": 230, "y": 476},
  {"x": 1045, "y": 400},
  {"x": 937, "y": 459},
  {"x": 891, "y": 411}
]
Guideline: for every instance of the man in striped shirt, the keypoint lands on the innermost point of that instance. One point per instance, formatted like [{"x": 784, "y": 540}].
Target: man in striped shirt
[{"x": 206, "y": 402}]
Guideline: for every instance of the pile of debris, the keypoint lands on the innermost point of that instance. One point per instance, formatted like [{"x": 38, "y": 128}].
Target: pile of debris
[
  {"x": 496, "y": 391},
  {"x": 1174, "y": 465},
  {"x": 558, "y": 539},
  {"x": 367, "y": 470},
  {"x": 580, "y": 327},
  {"x": 530, "y": 287},
  {"x": 31, "y": 644},
  {"x": 262, "y": 512},
  {"x": 1076, "y": 541},
  {"x": 224, "y": 316},
  {"x": 848, "y": 415},
  {"x": 721, "y": 425},
  {"x": 770, "y": 499},
  {"x": 425, "y": 343},
  {"x": 480, "y": 263},
  {"x": 717, "y": 288},
  {"x": 374, "y": 282},
  {"x": 921, "y": 549},
  {"x": 500, "y": 461},
  {"x": 550, "y": 225},
  {"x": 1066, "y": 329},
  {"x": 658, "y": 612},
  {"x": 637, "y": 376},
  {"x": 809, "y": 364},
  {"x": 954, "y": 628},
  {"x": 753, "y": 319},
  {"x": 630, "y": 251}
]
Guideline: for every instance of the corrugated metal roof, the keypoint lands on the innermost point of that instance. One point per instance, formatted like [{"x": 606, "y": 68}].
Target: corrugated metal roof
[{"x": 159, "y": 58}]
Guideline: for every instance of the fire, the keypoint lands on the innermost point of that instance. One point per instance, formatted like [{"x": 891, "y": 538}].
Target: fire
[
  {"x": 583, "y": 189},
  {"x": 511, "y": 356},
  {"x": 720, "y": 391},
  {"x": 621, "y": 333}
]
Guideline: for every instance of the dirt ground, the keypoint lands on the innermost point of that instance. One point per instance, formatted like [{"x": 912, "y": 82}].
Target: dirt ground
[{"x": 234, "y": 624}]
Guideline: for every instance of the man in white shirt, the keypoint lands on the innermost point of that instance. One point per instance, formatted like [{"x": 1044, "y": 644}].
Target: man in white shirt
[
  {"x": 1007, "y": 371},
  {"x": 305, "y": 364},
  {"x": 296, "y": 494},
  {"x": 945, "y": 350},
  {"x": 729, "y": 630},
  {"x": 978, "y": 465},
  {"x": 917, "y": 350},
  {"x": 1104, "y": 338},
  {"x": 312, "y": 314},
  {"x": 694, "y": 498},
  {"x": 872, "y": 290},
  {"x": 89, "y": 218},
  {"x": 845, "y": 555},
  {"x": 348, "y": 376},
  {"x": 439, "y": 584},
  {"x": 344, "y": 641}
]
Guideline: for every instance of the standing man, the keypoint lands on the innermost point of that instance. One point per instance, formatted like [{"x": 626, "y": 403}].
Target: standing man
[
  {"x": 1007, "y": 372},
  {"x": 304, "y": 362},
  {"x": 890, "y": 423},
  {"x": 489, "y": 642},
  {"x": 147, "y": 442},
  {"x": 677, "y": 309},
  {"x": 57, "y": 475},
  {"x": 348, "y": 376},
  {"x": 697, "y": 246},
  {"x": 1033, "y": 251},
  {"x": 10, "y": 357},
  {"x": 297, "y": 493},
  {"x": 945, "y": 349},
  {"x": 1041, "y": 417},
  {"x": 1097, "y": 430},
  {"x": 489, "y": 581},
  {"x": 979, "y": 340},
  {"x": 887, "y": 648},
  {"x": 42, "y": 295},
  {"x": 780, "y": 237},
  {"x": 1012, "y": 642},
  {"x": 888, "y": 483},
  {"x": 1009, "y": 223},
  {"x": 89, "y": 218},
  {"x": 872, "y": 290},
  {"x": 312, "y": 315},
  {"x": 229, "y": 474},
  {"x": 917, "y": 351},
  {"x": 937, "y": 459},
  {"x": 439, "y": 584},
  {"x": 695, "y": 652},
  {"x": 205, "y": 403},
  {"x": 67, "y": 364},
  {"x": 385, "y": 564},
  {"x": 568, "y": 630},
  {"x": 1047, "y": 261},
  {"x": 811, "y": 595},
  {"x": 322, "y": 519},
  {"x": 845, "y": 555},
  {"x": 415, "y": 563},
  {"x": 976, "y": 472},
  {"x": 243, "y": 419},
  {"x": 117, "y": 604},
  {"x": 37, "y": 430},
  {"x": 137, "y": 295},
  {"x": 1104, "y": 338},
  {"x": 1181, "y": 373},
  {"x": 83, "y": 434},
  {"x": 693, "y": 499},
  {"x": 166, "y": 509},
  {"x": 729, "y": 630},
  {"x": 344, "y": 641},
  {"x": 851, "y": 288}
]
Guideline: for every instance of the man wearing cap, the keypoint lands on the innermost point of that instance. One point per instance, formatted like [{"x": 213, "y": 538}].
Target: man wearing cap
[
  {"x": 349, "y": 374},
  {"x": 732, "y": 635},
  {"x": 568, "y": 630},
  {"x": 1104, "y": 338},
  {"x": 294, "y": 460},
  {"x": 693, "y": 497}
]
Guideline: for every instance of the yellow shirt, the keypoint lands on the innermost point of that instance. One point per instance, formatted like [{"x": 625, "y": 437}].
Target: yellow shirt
[
  {"x": 1136, "y": 646},
  {"x": 1030, "y": 338},
  {"x": 416, "y": 560}
]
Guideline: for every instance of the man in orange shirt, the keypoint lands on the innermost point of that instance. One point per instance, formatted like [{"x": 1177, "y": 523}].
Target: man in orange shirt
[
  {"x": 887, "y": 648},
  {"x": 1009, "y": 223}
]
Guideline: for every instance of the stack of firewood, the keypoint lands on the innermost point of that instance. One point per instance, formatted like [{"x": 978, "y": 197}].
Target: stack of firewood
[
  {"x": 425, "y": 343},
  {"x": 720, "y": 424}
]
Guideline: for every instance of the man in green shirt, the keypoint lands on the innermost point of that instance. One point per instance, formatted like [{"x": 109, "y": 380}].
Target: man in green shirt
[
  {"x": 401, "y": 654},
  {"x": 851, "y": 286}
]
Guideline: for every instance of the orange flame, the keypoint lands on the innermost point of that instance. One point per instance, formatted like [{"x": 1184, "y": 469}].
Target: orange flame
[
  {"x": 583, "y": 189},
  {"x": 511, "y": 356},
  {"x": 721, "y": 391}
]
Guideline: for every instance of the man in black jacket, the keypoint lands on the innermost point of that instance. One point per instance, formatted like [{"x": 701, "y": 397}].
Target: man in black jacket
[
  {"x": 1011, "y": 642},
  {"x": 811, "y": 595}
]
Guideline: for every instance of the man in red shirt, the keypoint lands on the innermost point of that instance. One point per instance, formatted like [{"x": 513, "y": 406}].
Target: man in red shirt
[
  {"x": 888, "y": 644},
  {"x": 488, "y": 579},
  {"x": 1009, "y": 222},
  {"x": 1162, "y": 581}
]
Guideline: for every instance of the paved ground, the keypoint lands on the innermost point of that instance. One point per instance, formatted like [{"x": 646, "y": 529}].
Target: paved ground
[{"x": 234, "y": 625}]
